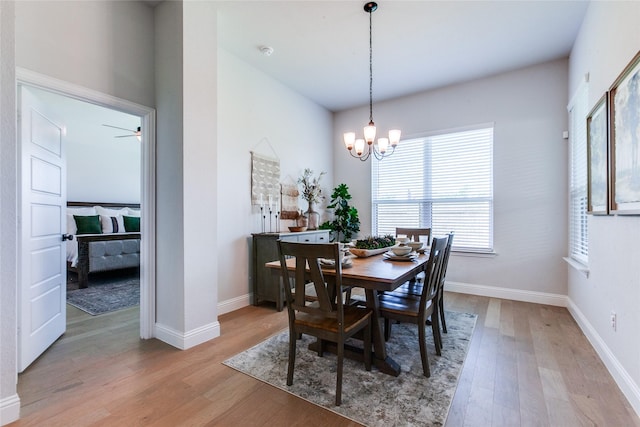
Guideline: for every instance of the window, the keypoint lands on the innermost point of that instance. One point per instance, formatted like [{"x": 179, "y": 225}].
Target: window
[
  {"x": 578, "y": 231},
  {"x": 443, "y": 181}
]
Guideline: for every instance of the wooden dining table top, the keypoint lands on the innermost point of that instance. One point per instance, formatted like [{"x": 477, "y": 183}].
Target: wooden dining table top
[{"x": 372, "y": 272}]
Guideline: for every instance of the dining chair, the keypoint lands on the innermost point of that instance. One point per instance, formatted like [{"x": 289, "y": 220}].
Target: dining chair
[
  {"x": 414, "y": 234},
  {"x": 415, "y": 289},
  {"x": 443, "y": 276},
  {"x": 326, "y": 317},
  {"x": 409, "y": 309}
]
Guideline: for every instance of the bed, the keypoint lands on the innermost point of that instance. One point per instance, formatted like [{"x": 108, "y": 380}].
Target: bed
[{"x": 113, "y": 243}]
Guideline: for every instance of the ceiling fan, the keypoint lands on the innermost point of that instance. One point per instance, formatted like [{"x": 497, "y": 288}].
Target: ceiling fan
[{"x": 137, "y": 133}]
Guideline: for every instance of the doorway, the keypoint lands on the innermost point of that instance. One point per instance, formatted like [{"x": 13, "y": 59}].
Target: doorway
[{"x": 146, "y": 118}]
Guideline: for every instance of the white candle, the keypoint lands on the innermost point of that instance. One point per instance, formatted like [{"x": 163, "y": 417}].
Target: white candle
[
  {"x": 261, "y": 201},
  {"x": 269, "y": 201}
]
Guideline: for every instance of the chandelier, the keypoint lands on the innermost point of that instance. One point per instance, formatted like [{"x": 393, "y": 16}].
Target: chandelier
[{"x": 384, "y": 147}]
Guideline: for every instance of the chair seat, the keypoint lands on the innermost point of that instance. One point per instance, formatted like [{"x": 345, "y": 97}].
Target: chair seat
[
  {"x": 408, "y": 288},
  {"x": 353, "y": 319},
  {"x": 407, "y": 305}
]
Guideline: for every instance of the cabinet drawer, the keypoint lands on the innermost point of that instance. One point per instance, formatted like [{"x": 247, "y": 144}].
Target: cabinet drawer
[{"x": 322, "y": 237}]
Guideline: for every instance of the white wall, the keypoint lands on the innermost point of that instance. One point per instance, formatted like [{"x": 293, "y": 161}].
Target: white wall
[
  {"x": 9, "y": 400},
  {"x": 169, "y": 161},
  {"x": 253, "y": 109},
  {"x": 608, "y": 39},
  {"x": 528, "y": 108},
  {"x": 103, "y": 45},
  {"x": 186, "y": 188}
]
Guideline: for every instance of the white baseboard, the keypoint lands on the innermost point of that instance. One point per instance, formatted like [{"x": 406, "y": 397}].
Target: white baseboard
[
  {"x": 626, "y": 384},
  {"x": 234, "y": 304},
  {"x": 507, "y": 293},
  {"x": 9, "y": 409},
  {"x": 189, "y": 339}
]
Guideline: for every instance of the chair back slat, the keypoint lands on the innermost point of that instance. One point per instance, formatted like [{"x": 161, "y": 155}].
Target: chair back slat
[
  {"x": 445, "y": 261},
  {"x": 433, "y": 270},
  {"x": 414, "y": 234},
  {"x": 318, "y": 299}
]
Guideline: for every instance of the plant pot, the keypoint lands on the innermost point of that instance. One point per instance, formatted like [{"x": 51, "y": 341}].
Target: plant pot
[{"x": 313, "y": 217}]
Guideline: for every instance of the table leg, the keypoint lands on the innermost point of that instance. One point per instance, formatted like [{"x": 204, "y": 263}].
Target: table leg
[{"x": 380, "y": 360}]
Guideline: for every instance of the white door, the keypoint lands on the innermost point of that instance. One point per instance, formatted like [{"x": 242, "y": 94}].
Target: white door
[{"x": 42, "y": 254}]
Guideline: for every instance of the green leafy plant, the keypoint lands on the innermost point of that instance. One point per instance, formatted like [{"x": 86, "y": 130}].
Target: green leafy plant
[
  {"x": 345, "y": 222},
  {"x": 372, "y": 242}
]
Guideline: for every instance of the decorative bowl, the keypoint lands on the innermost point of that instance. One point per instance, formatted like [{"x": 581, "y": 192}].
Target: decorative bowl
[
  {"x": 297, "y": 229},
  {"x": 401, "y": 250},
  {"x": 402, "y": 240},
  {"x": 415, "y": 245}
]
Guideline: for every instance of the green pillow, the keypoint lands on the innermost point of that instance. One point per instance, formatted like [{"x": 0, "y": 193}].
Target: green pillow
[
  {"x": 131, "y": 224},
  {"x": 88, "y": 224}
]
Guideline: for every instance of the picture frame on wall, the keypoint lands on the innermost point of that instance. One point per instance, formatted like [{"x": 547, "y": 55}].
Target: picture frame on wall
[
  {"x": 624, "y": 125},
  {"x": 598, "y": 158}
]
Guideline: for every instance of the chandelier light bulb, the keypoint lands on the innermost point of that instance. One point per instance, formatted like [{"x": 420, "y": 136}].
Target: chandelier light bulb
[
  {"x": 349, "y": 140},
  {"x": 383, "y": 143},
  {"x": 394, "y": 137},
  {"x": 369, "y": 133}
]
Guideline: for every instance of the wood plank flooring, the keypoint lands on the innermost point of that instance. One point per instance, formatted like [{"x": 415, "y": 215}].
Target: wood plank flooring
[{"x": 528, "y": 365}]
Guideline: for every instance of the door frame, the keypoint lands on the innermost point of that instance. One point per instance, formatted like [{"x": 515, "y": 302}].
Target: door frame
[{"x": 148, "y": 179}]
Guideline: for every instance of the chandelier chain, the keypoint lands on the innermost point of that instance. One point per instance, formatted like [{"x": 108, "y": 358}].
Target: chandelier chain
[{"x": 370, "y": 70}]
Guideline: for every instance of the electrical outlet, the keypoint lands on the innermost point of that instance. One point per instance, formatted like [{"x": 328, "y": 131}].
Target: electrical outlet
[{"x": 614, "y": 320}]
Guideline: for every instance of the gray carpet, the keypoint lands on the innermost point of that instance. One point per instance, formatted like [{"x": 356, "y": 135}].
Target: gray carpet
[
  {"x": 370, "y": 398},
  {"x": 106, "y": 295}
]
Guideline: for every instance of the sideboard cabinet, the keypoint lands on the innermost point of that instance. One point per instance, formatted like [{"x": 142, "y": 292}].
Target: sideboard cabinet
[{"x": 265, "y": 249}]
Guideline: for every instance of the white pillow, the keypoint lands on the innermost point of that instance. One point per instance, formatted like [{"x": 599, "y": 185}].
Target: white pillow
[
  {"x": 112, "y": 224},
  {"x": 133, "y": 212},
  {"x": 82, "y": 211},
  {"x": 72, "y": 228},
  {"x": 110, "y": 212}
]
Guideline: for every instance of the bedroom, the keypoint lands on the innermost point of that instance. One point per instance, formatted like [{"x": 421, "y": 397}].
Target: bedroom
[{"x": 103, "y": 155}]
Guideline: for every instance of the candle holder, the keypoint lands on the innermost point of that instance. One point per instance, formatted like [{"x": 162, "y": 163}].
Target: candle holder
[
  {"x": 270, "y": 212},
  {"x": 262, "y": 217}
]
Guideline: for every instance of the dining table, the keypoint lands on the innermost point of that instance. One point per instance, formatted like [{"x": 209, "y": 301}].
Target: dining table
[{"x": 373, "y": 274}]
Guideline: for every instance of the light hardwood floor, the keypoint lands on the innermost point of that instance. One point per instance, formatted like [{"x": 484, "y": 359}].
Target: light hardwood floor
[{"x": 527, "y": 365}]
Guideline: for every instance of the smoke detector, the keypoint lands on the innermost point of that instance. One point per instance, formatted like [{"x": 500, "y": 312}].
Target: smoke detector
[{"x": 266, "y": 50}]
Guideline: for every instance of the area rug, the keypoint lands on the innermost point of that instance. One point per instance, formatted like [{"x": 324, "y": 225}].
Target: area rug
[
  {"x": 370, "y": 398},
  {"x": 100, "y": 298}
]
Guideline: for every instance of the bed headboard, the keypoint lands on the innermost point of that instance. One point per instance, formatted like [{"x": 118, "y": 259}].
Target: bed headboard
[{"x": 104, "y": 204}]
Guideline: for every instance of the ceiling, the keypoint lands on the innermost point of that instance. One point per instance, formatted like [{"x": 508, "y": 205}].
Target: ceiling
[{"x": 321, "y": 48}]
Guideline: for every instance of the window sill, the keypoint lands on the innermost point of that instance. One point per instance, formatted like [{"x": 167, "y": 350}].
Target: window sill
[
  {"x": 581, "y": 268},
  {"x": 474, "y": 254}
]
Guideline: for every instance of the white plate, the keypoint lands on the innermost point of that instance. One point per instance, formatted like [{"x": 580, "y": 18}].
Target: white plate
[
  {"x": 412, "y": 256},
  {"x": 329, "y": 263}
]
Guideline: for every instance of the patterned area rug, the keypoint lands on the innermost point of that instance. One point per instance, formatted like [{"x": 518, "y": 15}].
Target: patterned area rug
[
  {"x": 106, "y": 296},
  {"x": 370, "y": 398}
]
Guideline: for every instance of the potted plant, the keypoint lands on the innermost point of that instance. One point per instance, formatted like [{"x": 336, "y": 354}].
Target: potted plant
[
  {"x": 345, "y": 218},
  {"x": 312, "y": 193}
]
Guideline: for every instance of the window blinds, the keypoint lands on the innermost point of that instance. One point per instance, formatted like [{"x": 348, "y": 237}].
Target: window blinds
[
  {"x": 442, "y": 181},
  {"x": 578, "y": 229}
]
